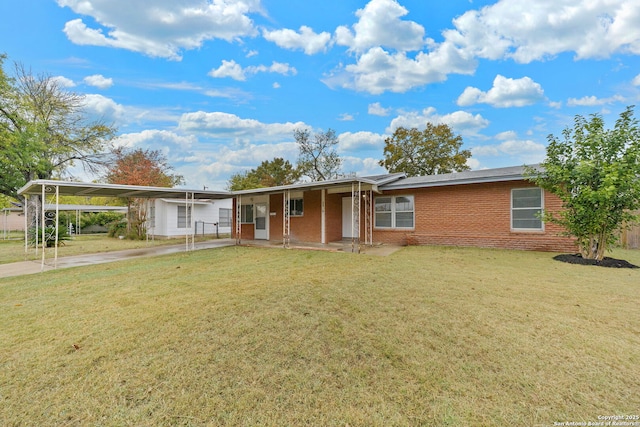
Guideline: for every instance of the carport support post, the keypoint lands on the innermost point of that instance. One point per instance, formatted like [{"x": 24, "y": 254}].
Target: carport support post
[
  {"x": 43, "y": 230},
  {"x": 238, "y": 219},
  {"x": 55, "y": 250},
  {"x": 286, "y": 218},
  {"x": 26, "y": 225},
  {"x": 355, "y": 217}
]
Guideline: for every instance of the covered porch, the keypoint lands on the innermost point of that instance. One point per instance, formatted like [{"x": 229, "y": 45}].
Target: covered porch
[{"x": 337, "y": 212}]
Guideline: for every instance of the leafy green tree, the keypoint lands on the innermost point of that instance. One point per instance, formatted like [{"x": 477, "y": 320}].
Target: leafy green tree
[
  {"x": 44, "y": 130},
  {"x": 270, "y": 173},
  {"x": 596, "y": 173},
  {"x": 318, "y": 158},
  {"x": 434, "y": 150}
]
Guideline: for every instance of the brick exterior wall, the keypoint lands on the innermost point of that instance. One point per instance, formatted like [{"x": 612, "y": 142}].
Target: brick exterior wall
[
  {"x": 474, "y": 215},
  {"x": 458, "y": 215}
]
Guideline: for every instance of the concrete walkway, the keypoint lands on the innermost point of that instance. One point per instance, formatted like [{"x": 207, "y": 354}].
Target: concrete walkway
[{"x": 31, "y": 267}]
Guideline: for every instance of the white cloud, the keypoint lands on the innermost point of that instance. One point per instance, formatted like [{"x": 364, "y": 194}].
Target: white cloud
[
  {"x": 62, "y": 81},
  {"x": 156, "y": 138},
  {"x": 229, "y": 69},
  {"x": 508, "y": 29},
  {"x": 162, "y": 28},
  {"x": 377, "y": 70},
  {"x": 99, "y": 81},
  {"x": 361, "y": 166},
  {"x": 233, "y": 70},
  {"x": 636, "y": 80},
  {"x": 305, "y": 39},
  {"x": 219, "y": 125},
  {"x": 592, "y": 101},
  {"x": 346, "y": 117},
  {"x": 358, "y": 141},
  {"x": 473, "y": 163},
  {"x": 525, "y": 151},
  {"x": 376, "y": 109},
  {"x": 379, "y": 25},
  {"x": 460, "y": 121},
  {"x": 529, "y": 31},
  {"x": 505, "y": 92},
  {"x": 104, "y": 108}
]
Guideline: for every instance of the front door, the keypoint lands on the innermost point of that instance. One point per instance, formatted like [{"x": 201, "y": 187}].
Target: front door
[
  {"x": 262, "y": 222},
  {"x": 347, "y": 210}
]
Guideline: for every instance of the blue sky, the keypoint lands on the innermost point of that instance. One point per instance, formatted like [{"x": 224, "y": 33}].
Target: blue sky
[{"x": 220, "y": 85}]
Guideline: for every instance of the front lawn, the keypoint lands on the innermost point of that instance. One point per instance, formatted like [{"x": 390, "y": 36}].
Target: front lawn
[{"x": 261, "y": 336}]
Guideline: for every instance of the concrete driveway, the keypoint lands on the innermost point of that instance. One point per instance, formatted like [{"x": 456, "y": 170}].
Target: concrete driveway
[{"x": 31, "y": 267}]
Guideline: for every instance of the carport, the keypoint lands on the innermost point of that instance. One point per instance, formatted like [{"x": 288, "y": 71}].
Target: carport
[{"x": 51, "y": 190}]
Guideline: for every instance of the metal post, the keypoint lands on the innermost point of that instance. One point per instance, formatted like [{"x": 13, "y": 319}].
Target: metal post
[
  {"x": 355, "y": 217},
  {"x": 26, "y": 224},
  {"x": 286, "y": 218},
  {"x": 57, "y": 230},
  {"x": 238, "y": 219},
  {"x": 44, "y": 238}
]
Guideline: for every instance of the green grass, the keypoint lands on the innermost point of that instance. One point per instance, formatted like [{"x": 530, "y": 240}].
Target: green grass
[
  {"x": 256, "y": 336},
  {"x": 13, "y": 250}
]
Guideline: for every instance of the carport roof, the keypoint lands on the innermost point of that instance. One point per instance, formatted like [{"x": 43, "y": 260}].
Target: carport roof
[{"x": 89, "y": 189}]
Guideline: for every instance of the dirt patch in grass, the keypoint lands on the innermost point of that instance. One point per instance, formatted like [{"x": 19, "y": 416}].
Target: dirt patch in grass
[{"x": 606, "y": 262}]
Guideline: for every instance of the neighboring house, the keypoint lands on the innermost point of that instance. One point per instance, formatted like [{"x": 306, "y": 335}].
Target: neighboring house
[
  {"x": 12, "y": 220},
  {"x": 485, "y": 208},
  {"x": 180, "y": 217}
]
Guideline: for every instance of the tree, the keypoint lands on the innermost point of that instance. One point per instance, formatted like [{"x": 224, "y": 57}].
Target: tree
[
  {"x": 434, "y": 150},
  {"x": 140, "y": 167},
  {"x": 318, "y": 158},
  {"x": 44, "y": 130},
  {"x": 270, "y": 173},
  {"x": 596, "y": 173}
]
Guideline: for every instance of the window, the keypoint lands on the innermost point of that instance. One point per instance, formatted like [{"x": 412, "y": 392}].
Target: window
[
  {"x": 296, "y": 207},
  {"x": 184, "y": 216},
  {"x": 526, "y": 209},
  {"x": 246, "y": 214},
  {"x": 394, "y": 212},
  {"x": 224, "y": 217},
  {"x": 151, "y": 220}
]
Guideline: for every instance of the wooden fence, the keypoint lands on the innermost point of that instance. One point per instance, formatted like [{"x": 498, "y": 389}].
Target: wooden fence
[{"x": 630, "y": 239}]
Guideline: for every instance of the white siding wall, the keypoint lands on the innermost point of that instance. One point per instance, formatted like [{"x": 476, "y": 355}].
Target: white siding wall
[{"x": 166, "y": 224}]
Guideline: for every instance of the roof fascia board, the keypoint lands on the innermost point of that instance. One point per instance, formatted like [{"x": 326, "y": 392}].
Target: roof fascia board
[{"x": 456, "y": 182}]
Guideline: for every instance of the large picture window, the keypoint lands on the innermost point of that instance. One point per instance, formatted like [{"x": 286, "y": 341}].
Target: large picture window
[
  {"x": 526, "y": 209},
  {"x": 246, "y": 214},
  {"x": 184, "y": 216},
  {"x": 394, "y": 212}
]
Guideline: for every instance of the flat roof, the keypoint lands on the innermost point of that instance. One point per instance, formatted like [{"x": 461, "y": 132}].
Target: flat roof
[
  {"x": 89, "y": 189},
  {"x": 315, "y": 185},
  {"x": 513, "y": 173}
]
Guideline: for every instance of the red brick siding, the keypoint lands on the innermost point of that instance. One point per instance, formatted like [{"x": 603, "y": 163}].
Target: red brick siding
[
  {"x": 333, "y": 217},
  {"x": 473, "y": 215},
  {"x": 462, "y": 215}
]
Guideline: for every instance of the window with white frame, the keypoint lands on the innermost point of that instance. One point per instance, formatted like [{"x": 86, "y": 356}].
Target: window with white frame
[
  {"x": 246, "y": 214},
  {"x": 224, "y": 217},
  {"x": 526, "y": 209},
  {"x": 151, "y": 220},
  {"x": 184, "y": 216},
  {"x": 394, "y": 212},
  {"x": 296, "y": 207}
]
